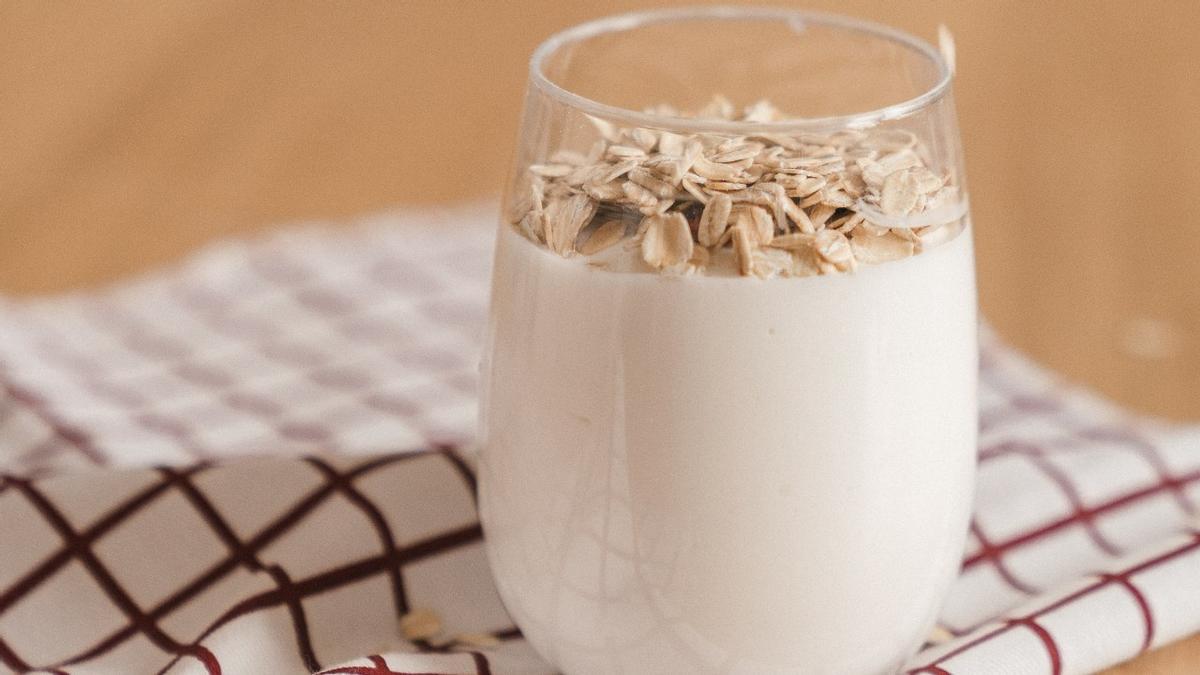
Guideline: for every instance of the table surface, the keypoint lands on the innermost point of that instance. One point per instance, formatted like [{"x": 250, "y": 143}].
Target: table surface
[{"x": 130, "y": 136}]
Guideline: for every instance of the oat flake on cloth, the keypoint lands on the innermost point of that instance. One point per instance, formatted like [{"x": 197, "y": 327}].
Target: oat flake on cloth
[{"x": 307, "y": 403}]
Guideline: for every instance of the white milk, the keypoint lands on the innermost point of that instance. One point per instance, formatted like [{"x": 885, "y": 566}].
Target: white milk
[{"x": 727, "y": 474}]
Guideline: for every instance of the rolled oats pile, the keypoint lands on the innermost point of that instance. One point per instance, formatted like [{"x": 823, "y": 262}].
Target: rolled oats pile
[{"x": 765, "y": 205}]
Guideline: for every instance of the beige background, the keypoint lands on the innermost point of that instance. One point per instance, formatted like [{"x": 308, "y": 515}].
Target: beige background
[{"x": 132, "y": 132}]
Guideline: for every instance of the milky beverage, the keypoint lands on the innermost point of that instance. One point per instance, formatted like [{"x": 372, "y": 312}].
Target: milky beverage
[{"x": 714, "y": 473}]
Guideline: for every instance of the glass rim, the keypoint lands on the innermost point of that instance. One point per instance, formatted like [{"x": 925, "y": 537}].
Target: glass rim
[{"x": 632, "y": 20}]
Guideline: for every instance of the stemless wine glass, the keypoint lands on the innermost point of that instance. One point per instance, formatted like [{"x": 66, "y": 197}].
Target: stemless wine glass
[{"x": 729, "y": 410}]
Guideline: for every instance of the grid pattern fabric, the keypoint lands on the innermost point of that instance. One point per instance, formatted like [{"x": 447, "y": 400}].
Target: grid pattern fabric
[{"x": 339, "y": 366}]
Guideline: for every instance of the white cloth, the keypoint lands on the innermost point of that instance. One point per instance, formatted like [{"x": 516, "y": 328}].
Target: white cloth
[{"x": 339, "y": 367}]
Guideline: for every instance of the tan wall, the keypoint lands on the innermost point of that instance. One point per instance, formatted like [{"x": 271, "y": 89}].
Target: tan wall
[{"x": 131, "y": 132}]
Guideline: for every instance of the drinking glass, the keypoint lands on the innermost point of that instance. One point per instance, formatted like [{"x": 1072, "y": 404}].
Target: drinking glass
[{"x": 758, "y": 467}]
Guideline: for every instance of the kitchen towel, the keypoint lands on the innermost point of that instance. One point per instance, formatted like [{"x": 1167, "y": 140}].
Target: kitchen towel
[{"x": 258, "y": 461}]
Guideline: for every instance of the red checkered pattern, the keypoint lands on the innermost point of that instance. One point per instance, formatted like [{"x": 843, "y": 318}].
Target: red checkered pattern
[
  {"x": 1084, "y": 548},
  {"x": 359, "y": 344},
  {"x": 268, "y": 565},
  {"x": 360, "y": 347}
]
